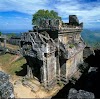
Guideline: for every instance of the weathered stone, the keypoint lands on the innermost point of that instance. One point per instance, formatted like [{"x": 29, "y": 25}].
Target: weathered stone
[
  {"x": 15, "y": 40},
  {"x": 53, "y": 50},
  {"x": 92, "y": 69},
  {"x": 3, "y": 48},
  {"x": 6, "y": 88},
  {"x": 87, "y": 52},
  {"x": 84, "y": 95},
  {"x": 72, "y": 94},
  {"x": 81, "y": 94},
  {"x": 34, "y": 87},
  {"x": 73, "y": 20}
]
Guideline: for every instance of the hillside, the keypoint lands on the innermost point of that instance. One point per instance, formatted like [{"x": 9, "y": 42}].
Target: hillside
[
  {"x": 91, "y": 37},
  {"x": 11, "y": 63}
]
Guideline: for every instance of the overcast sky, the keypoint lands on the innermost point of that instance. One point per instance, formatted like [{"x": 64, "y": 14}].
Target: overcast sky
[{"x": 17, "y": 14}]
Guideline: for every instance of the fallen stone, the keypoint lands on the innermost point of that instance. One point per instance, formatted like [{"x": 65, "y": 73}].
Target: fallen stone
[
  {"x": 81, "y": 94},
  {"x": 85, "y": 95},
  {"x": 6, "y": 88},
  {"x": 72, "y": 93},
  {"x": 94, "y": 69}
]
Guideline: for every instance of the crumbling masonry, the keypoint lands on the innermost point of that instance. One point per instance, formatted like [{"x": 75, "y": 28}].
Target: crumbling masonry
[{"x": 53, "y": 50}]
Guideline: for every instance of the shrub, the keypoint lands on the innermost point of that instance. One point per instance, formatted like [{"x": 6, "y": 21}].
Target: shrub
[{"x": 71, "y": 45}]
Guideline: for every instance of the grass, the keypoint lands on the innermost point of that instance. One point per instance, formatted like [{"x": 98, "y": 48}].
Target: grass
[
  {"x": 9, "y": 65},
  {"x": 16, "y": 66},
  {"x": 13, "y": 47},
  {"x": 5, "y": 59}
]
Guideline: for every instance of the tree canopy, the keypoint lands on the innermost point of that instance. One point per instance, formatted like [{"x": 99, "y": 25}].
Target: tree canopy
[
  {"x": 44, "y": 14},
  {"x": 0, "y": 33},
  {"x": 11, "y": 35}
]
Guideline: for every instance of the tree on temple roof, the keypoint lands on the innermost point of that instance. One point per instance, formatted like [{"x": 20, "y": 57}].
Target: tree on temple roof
[{"x": 44, "y": 14}]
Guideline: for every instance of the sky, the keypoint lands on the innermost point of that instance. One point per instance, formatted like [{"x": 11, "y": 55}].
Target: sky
[{"x": 17, "y": 14}]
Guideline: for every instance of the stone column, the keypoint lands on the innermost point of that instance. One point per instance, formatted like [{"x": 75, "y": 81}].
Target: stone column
[
  {"x": 58, "y": 67},
  {"x": 57, "y": 62},
  {"x": 44, "y": 73},
  {"x": 29, "y": 72},
  {"x": 0, "y": 43},
  {"x": 4, "y": 42}
]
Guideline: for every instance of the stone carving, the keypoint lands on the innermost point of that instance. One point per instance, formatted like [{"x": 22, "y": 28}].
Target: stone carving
[{"x": 53, "y": 50}]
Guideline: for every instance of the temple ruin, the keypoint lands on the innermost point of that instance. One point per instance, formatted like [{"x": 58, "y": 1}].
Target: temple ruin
[
  {"x": 3, "y": 47},
  {"x": 53, "y": 50}
]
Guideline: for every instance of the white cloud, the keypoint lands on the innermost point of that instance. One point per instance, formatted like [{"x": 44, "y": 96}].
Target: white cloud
[
  {"x": 86, "y": 12},
  {"x": 27, "y": 18},
  {"x": 26, "y": 6},
  {"x": 98, "y": 20}
]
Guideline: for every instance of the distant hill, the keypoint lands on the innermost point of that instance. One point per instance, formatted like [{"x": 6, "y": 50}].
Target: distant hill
[
  {"x": 91, "y": 37},
  {"x": 14, "y": 31}
]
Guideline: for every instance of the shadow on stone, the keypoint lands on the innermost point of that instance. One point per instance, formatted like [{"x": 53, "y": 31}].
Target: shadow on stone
[
  {"x": 23, "y": 72},
  {"x": 89, "y": 81}
]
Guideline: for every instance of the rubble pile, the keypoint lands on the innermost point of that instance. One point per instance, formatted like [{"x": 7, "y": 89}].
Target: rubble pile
[
  {"x": 6, "y": 88},
  {"x": 81, "y": 94}
]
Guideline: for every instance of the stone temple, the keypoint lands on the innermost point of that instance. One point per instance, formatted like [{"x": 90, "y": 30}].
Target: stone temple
[{"x": 53, "y": 50}]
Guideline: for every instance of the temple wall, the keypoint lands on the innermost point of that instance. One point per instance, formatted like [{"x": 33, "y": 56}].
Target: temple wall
[
  {"x": 77, "y": 37},
  {"x": 72, "y": 64},
  {"x": 51, "y": 67},
  {"x": 64, "y": 39},
  {"x": 69, "y": 38}
]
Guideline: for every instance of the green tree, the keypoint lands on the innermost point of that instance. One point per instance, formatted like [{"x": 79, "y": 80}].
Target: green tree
[
  {"x": 96, "y": 45},
  {"x": 44, "y": 14},
  {"x": 0, "y": 33},
  {"x": 11, "y": 35}
]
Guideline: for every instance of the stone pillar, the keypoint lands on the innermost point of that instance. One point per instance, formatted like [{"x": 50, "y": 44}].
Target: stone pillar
[
  {"x": 29, "y": 72},
  {"x": 57, "y": 62},
  {"x": 58, "y": 68},
  {"x": 4, "y": 42},
  {"x": 44, "y": 73},
  {"x": 51, "y": 70},
  {"x": 48, "y": 71},
  {"x": 0, "y": 43}
]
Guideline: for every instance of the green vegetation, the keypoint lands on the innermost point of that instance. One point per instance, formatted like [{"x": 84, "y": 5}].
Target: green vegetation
[
  {"x": 71, "y": 45},
  {"x": 60, "y": 83},
  {"x": 0, "y": 33},
  {"x": 4, "y": 59},
  {"x": 11, "y": 35},
  {"x": 44, "y": 14},
  {"x": 95, "y": 45},
  {"x": 16, "y": 66},
  {"x": 91, "y": 38},
  {"x": 9, "y": 63}
]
